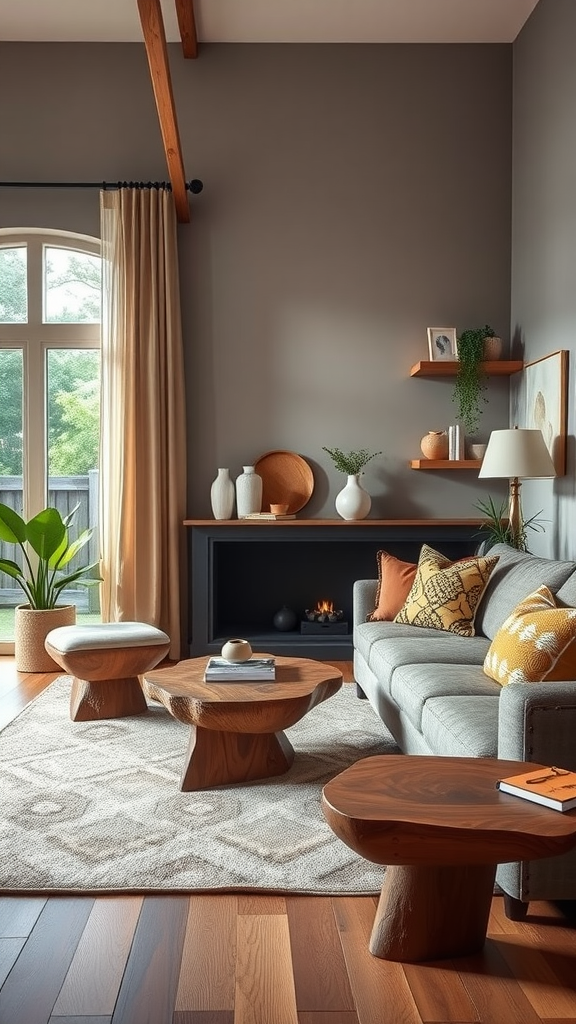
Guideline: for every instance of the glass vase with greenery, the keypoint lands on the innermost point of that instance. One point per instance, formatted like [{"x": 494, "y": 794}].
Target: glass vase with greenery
[{"x": 470, "y": 382}]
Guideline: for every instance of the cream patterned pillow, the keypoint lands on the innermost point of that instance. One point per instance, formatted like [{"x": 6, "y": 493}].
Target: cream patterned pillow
[
  {"x": 445, "y": 595},
  {"x": 535, "y": 643}
]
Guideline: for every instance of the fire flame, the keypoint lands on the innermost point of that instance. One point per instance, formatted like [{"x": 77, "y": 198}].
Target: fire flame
[{"x": 324, "y": 607}]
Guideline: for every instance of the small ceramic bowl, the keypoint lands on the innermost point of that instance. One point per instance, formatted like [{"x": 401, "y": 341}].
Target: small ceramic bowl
[
  {"x": 478, "y": 451},
  {"x": 237, "y": 650},
  {"x": 279, "y": 510}
]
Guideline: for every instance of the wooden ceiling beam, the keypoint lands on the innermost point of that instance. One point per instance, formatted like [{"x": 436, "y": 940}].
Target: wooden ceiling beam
[
  {"x": 150, "y": 13},
  {"x": 187, "y": 26}
]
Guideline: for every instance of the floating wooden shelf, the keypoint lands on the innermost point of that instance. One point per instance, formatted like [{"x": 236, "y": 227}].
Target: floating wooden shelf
[
  {"x": 440, "y": 368},
  {"x": 445, "y": 464}
]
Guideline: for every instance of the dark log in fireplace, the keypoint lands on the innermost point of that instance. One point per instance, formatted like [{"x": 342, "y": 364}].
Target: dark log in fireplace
[{"x": 243, "y": 571}]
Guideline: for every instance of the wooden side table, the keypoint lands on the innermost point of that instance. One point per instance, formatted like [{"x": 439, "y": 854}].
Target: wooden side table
[{"x": 441, "y": 826}]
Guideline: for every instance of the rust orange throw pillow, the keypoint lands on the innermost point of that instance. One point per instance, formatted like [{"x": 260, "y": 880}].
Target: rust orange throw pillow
[{"x": 395, "y": 579}]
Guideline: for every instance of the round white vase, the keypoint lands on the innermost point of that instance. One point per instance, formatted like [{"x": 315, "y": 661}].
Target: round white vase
[
  {"x": 353, "y": 502},
  {"x": 237, "y": 650},
  {"x": 248, "y": 492},
  {"x": 222, "y": 495}
]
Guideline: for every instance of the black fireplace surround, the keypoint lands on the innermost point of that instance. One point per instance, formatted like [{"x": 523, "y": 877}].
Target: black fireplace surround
[{"x": 242, "y": 572}]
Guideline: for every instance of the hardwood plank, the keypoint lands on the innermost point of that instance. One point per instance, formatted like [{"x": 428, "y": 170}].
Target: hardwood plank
[
  {"x": 329, "y": 1017},
  {"x": 203, "y": 1017},
  {"x": 31, "y": 988},
  {"x": 18, "y": 914},
  {"x": 206, "y": 981},
  {"x": 93, "y": 979},
  {"x": 376, "y": 984},
  {"x": 9, "y": 953},
  {"x": 79, "y": 1020},
  {"x": 18, "y": 695},
  {"x": 148, "y": 990},
  {"x": 264, "y": 982},
  {"x": 320, "y": 977},
  {"x": 439, "y": 993},
  {"x": 493, "y": 990},
  {"x": 252, "y": 903},
  {"x": 534, "y": 970}
]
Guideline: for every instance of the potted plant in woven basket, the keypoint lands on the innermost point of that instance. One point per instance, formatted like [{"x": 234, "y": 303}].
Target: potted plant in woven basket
[{"x": 46, "y": 553}]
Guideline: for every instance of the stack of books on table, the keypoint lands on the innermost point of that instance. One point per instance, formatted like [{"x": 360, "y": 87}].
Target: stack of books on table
[
  {"x": 253, "y": 670},
  {"x": 551, "y": 787}
]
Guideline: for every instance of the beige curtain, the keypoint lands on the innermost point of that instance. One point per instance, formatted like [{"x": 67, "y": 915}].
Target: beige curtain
[{"x": 143, "y": 447}]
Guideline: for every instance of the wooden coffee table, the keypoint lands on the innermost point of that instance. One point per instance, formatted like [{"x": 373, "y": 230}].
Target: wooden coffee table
[
  {"x": 441, "y": 826},
  {"x": 237, "y": 728}
]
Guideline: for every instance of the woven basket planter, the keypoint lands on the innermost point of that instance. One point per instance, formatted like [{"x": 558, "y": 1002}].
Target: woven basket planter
[{"x": 31, "y": 627}]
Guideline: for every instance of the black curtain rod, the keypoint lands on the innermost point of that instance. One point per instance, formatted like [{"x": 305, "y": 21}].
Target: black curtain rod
[{"x": 195, "y": 186}]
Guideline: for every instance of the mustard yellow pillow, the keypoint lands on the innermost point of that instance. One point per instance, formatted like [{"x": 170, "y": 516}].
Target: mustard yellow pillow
[
  {"x": 445, "y": 595},
  {"x": 535, "y": 643}
]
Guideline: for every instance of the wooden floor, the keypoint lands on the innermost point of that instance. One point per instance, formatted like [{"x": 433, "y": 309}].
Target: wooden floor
[{"x": 243, "y": 959}]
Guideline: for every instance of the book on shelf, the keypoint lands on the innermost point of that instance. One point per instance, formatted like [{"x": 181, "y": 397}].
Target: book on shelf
[
  {"x": 254, "y": 670},
  {"x": 269, "y": 515},
  {"x": 551, "y": 787}
]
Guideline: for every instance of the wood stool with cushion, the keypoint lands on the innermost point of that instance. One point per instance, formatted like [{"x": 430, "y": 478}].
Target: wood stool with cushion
[{"x": 105, "y": 660}]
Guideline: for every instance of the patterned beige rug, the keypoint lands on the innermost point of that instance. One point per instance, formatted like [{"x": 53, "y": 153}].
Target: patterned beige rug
[{"x": 95, "y": 807}]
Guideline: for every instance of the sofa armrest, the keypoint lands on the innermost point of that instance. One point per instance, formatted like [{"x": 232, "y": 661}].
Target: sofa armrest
[
  {"x": 363, "y": 599},
  {"x": 537, "y": 722}
]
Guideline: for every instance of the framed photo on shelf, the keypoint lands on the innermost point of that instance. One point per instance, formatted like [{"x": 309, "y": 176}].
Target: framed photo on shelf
[
  {"x": 541, "y": 401},
  {"x": 442, "y": 343}
]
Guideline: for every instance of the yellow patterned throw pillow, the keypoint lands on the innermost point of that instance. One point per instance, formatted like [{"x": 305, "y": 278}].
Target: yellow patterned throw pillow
[
  {"x": 445, "y": 595},
  {"x": 536, "y": 643}
]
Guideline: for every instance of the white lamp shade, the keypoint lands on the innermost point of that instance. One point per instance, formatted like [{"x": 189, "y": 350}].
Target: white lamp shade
[{"x": 517, "y": 453}]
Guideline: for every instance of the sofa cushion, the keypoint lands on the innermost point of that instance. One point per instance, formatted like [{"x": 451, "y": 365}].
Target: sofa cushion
[
  {"x": 536, "y": 643},
  {"x": 567, "y": 593},
  {"x": 395, "y": 579},
  {"x": 386, "y": 657},
  {"x": 366, "y": 634},
  {"x": 517, "y": 574},
  {"x": 462, "y": 726},
  {"x": 412, "y": 686},
  {"x": 446, "y": 594}
]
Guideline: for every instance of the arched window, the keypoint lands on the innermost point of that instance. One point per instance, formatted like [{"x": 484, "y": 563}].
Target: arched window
[{"x": 50, "y": 301}]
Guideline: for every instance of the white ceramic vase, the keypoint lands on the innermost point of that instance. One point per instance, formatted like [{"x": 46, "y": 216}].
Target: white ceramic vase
[
  {"x": 237, "y": 650},
  {"x": 248, "y": 492},
  {"x": 353, "y": 502},
  {"x": 222, "y": 495}
]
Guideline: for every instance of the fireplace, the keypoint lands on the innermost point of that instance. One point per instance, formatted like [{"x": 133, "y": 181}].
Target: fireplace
[
  {"x": 324, "y": 619},
  {"x": 244, "y": 571}
]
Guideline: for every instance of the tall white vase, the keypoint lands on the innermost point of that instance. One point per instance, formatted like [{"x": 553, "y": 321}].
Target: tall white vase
[
  {"x": 222, "y": 495},
  {"x": 353, "y": 502},
  {"x": 248, "y": 492}
]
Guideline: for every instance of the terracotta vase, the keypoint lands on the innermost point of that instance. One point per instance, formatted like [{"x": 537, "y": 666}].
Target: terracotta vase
[
  {"x": 434, "y": 445},
  {"x": 31, "y": 627},
  {"x": 492, "y": 349}
]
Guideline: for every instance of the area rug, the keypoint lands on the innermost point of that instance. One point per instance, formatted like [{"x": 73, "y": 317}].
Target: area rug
[{"x": 95, "y": 807}]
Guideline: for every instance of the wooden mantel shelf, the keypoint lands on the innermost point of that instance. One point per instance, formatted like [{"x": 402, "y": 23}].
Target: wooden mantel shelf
[
  {"x": 445, "y": 463},
  {"x": 347, "y": 523},
  {"x": 445, "y": 368}
]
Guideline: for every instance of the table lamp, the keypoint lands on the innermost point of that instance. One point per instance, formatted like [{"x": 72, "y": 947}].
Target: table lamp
[{"x": 517, "y": 454}]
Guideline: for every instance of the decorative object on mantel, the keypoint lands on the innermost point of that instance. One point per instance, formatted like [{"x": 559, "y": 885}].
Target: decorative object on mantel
[
  {"x": 434, "y": 445},
  {"x": 285, "y": 619},
  {"x": 248, "y": 492},
  {"x": 286, "y": 479},
  {"x": 222, "y": 493},
  {"x": 236, "y": 650},
  {"x": 469, "y": 386},
  {"x": 442, "y": 343},
  {"x": 352, "y": 502}
]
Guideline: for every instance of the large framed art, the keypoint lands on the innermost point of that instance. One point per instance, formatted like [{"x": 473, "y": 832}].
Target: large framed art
[{"x": 542, "y": 402}]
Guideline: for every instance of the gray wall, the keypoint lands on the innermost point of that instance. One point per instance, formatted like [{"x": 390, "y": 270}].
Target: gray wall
[
  {"x": 354, "y": 195},
  {"x": 544, "y": 232}
]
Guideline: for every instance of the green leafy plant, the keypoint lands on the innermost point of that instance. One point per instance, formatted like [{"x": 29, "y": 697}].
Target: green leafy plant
[
  {"x": 497, "y": 529},
  {"x": 351, "y": 463},
  {"x": 46, "y": 551},
  {"x": 470, "y": 381}
]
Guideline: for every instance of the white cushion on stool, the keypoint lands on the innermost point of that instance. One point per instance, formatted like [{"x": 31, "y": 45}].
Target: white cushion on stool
[{"x": 105, "y": 635}]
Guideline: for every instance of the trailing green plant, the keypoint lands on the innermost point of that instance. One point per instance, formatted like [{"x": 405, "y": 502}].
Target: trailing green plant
[
  {"x": 46, "y": 552},
  {"x": 350, "y": 463},
  {"x": 470, "y": 382},
  {"x": 497, "y": 529}
]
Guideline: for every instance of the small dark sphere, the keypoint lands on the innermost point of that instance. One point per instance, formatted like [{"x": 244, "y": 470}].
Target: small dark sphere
[
  {"x": 285, "y": 619},
  {"x": 196, "y": 186}
]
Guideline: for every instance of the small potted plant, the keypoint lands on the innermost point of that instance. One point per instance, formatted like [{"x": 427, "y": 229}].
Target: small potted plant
[
  {"x": 470, "y": 382},
  {"x": 46, "y": 550},
  {"x": 497, "y": 529},
  {"x": 353, "y": 501}
]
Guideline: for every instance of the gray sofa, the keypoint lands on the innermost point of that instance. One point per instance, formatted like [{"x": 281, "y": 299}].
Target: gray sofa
[{"x": 429, "y": 688}]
